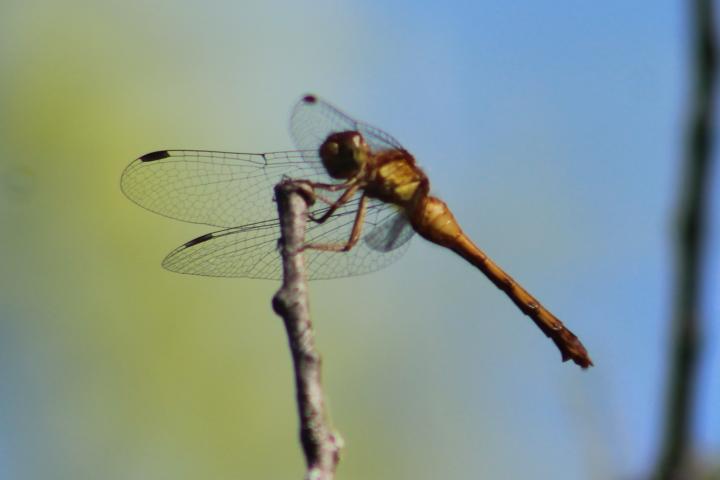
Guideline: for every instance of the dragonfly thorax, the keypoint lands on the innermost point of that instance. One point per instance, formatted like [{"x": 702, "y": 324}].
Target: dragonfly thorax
[{"x": 344, "y": 154}]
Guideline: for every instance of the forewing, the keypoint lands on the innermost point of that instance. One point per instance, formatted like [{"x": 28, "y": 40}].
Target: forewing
[
  {"x": 251, "y": 251},
  {"x": 223, "y": 189},
  {"x": 313, "y": 119}
]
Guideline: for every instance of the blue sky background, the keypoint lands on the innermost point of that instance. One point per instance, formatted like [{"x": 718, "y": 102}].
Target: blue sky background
[{"x": 553, "y": 130}]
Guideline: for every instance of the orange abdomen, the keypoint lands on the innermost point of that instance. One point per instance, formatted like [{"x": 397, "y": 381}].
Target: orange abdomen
[{"x": 432, "y": 219}]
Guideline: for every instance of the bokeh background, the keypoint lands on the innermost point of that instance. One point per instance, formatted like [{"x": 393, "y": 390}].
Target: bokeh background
[{"x": 554, "y": 131}]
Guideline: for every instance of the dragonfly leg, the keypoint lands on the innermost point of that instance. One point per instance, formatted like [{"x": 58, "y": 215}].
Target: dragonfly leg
[
  {"x": 351, "y": 190},
  {"x": 354, "y": 234},
  {"x": 324, "y": 199},
  {"x": 330, "y": 187}
]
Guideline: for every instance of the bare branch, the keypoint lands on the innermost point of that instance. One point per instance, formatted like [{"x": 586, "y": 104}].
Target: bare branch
[
  {"x": 320, "y": 444},
  {"x": 676, "y": 449}
]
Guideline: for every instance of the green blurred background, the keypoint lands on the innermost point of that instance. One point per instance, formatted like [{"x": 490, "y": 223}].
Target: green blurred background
[{"x": 553, "y": 130}]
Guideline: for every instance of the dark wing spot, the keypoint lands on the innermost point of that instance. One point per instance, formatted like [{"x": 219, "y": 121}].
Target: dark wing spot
[
  {"x": 200, "y": 239},
  {"x": 159, "y": 155},
  {"x": 309, "y": 99}
]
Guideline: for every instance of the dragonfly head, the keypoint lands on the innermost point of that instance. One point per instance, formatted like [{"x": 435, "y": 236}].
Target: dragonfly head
[{"x": 344, "y": 154}]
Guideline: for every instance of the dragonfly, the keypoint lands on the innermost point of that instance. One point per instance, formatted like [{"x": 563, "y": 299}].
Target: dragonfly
[{"x": 373, "y": 198}]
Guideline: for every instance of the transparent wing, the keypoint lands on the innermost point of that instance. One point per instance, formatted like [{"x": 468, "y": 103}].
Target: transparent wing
[
  {"x": 251, "y": 251},
  {"x": 313, "y": 119},
  {"x": 394, "y": 232},
  {"x": 227, "y": 189},
  {"x": 234, "y": 190},
  {"x": 223, "y": 189}
]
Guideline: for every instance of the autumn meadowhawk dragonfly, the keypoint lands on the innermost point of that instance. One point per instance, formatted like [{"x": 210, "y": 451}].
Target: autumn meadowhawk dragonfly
[{"x": 374, "y": 198}]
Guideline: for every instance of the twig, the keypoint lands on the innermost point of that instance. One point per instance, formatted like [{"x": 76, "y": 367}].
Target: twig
[
  {"x": 674, "y": 460},
  {"x": 320, "y": 444}
]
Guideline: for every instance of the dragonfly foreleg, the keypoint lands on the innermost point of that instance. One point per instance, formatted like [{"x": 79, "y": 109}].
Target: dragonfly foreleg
[
  {"x": 347, "y": 195},
  {"x": 331, "y": 187},
  {"x": 354, "y": 234}
]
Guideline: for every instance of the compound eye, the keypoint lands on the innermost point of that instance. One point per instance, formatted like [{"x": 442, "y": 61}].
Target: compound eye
[{"x": 332, "y": 148}]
